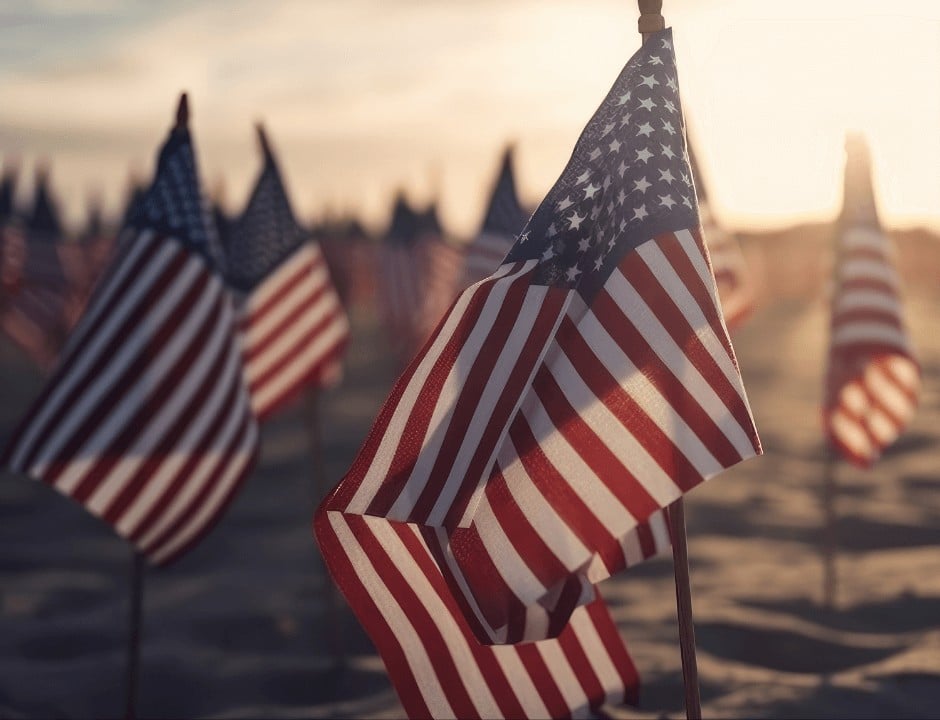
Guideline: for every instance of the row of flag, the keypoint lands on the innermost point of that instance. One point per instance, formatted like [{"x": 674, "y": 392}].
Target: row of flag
[{"x": 569, "y": 376}]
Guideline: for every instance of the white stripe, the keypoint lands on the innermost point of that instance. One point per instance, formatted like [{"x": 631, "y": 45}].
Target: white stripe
[
  {"x": 870, "y": 332},
  {"x": 565, "y": 678},
  {"x": 306, "y": 254},
  {"x": 865, "y": 299},
  {"x": 866, "y": 238},
  {"x": 384, "y": 454},
  {"x": 864, "y": 269},
  {"x": 131, "y": 348},
  {"x": 850, "y": 433},
  {"x": 520, "y": 682},
  {"x": 887, "y": 393},
  {"x": 592, "y": 645}
]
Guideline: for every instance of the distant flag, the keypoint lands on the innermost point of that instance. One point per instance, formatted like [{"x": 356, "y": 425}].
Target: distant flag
[
  {"x": 402, "y": 274},
  {"x": 35, "y": 317},
  {"x": 293, "y": 327},
  {"x": 559, "y": 407},
  {"x": 873, "y": 379},
  {"x": 444, "y": 262},
  {"x": 735, "y": 288},
  {"x": 351, "y": 256},
  {"x": 146, "y": 420},
  {"x": 12, "y": 244},
  {"x": 83, "y": 260},
  {"x": 502, "y": 223}
]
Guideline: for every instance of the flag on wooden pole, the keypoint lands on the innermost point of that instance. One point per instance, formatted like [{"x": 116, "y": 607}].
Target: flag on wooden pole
[
  {"x": 293, "y": 328},
  {"x": 502, "y": 223},
  {"x": 146, "y": 420},
  {"x": 873, "y": 379},
  {"x": 566, "y": 400}
]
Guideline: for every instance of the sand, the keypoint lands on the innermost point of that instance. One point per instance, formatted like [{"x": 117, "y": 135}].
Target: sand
[{"x": 240, "y": 628}]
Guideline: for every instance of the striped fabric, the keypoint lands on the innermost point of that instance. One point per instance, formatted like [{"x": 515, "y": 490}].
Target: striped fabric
[
  {"x": 293, "y": 331},
  {"x": 873, "y": 378},
  {"x": 146, "y": 421},
  {"x": 566, "y": 400},
  {"x": 293, "y": 328},
  {"x": 442, "y": 283}
]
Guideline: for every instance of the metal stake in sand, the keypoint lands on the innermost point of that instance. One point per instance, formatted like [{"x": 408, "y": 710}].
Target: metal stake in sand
[
  {"x": 133, "y": 634},
  {"x": 333, "y": 612},
  {"x": 650, "y": 21}
]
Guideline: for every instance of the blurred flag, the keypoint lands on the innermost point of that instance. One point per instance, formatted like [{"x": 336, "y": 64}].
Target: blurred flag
[
  {"x": 12, "y": 244},
  {"x": 735, "y": 289},
  {"x": 83, "y": 260},
  {"x": 351, "y": 257},
  {"x": 35, "y": 317},
  {"x": 146, "y": 420},
  {"x": 502, "y": 223},
  {"x": 402, "y": 274},
  {"x": 444, "y": 267},
  {"x": 293, "y": 327},
  {"x": 566, "y": 400},
  {"x": 873, "y": 380}
]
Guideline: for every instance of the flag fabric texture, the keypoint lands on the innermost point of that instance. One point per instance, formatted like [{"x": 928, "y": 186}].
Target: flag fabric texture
[
  {"x": 563, "y": 402},
  {"x": 293, "y": 328},
  {"x": 873, "y": 378},
  {"x": 735, "y": 288},
  {"x": 146, "y": 420},
  {"x": 35, "y": 315},
  {"x": 502, "y": 224}
]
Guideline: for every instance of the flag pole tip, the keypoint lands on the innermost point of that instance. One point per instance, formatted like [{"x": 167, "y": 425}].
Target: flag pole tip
[
  {"x": 263, "y": 138},
  {"x": 182, "y": 112},
  {"x": 651, "y": 19}
]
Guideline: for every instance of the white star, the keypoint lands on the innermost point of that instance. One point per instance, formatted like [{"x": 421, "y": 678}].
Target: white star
[
  {"x": 615, "y": 145},
  {"x": 621, "y": 197},
  {"x": 686, "y": 179},
  {"x": 667, "y": 126},
  {"x": 607, "y": 128},
  {"x": 649, "y": 80},
  {"x": 623, "y": 224},
  {"x": 582, "y": 178},
  {"x": 613, "y": 241},
  {"x": 668, "y": 151},
  {"x": 574, "y": 221},
  {"x": 625, "y": 120},
  {"x": 622, "y": 169},
  {"x": 606, "y": 182},
  {"x": 640, "y": 212},
  {"x": 525, "y": 236},
  {"x": 595, "y": 153},
  {"x": 645, "y": 129},
  {"x": 624, "y": 99},
  {"x": 572, "y": 273},
  {"x": 666, "y": 175},
  {"x": 670, "y": 106},
  {"x": 671, "y": 83},
  {"x": 686, "y": 201},
  {"x": 655, "y": 60},
  {"x": 590, "y": 191},
  {"x": 598, "y": 262},
  {"x": 667, "y": 201},
  {"x": 643, "y": 154},
  {"x": 641, "y": 185},
  {"x": 667, "y": 44},
  {"x": 583, "y": 245},
  {"x": 564, "y": 204},
  {"x": 648, "y": 103}
]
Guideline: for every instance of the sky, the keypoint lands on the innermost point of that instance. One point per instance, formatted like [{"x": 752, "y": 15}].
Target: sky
[{"x": 363, "y": 98}]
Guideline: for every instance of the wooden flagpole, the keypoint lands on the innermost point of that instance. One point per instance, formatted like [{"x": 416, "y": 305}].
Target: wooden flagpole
[
  {"x": 333, "y": 612},
  {"x": 133, "y": 635},
  {"x": 651, "y": 20}
]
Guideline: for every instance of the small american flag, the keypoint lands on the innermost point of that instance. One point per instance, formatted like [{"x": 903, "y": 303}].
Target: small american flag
[
  {"x": 873, "y": 379},
  {"x": 444, "y": 264},
  {"x": 566, "y": 400},
  {"x": 146, "y": 420},
  {"x": 735, "y": 289},
  {"x": 293, "y": 327},
  {"x": 502, "y": 223},
  {"x": 36, "y": 316}
]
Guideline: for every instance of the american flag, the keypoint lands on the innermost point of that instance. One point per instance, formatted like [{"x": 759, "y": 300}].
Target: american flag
[
  {"x": 146, "y": 420},
  {"x": 293, "y": 327},
  {"x": 502, "y": 223},
  {"x": 83, "y": 261},
  {"x": 12, "y": 246},
  {"x": 35, "y": 316},
  {"x": 873, "y": 379},
  {"x": 444, "y": 264},
  {"x": 566, "y": 400},
  {"x": 402, "y": 274},
  {"x": 735, "y": 289}
]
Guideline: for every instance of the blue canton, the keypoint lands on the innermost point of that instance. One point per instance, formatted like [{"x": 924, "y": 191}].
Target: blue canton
[
  {"x": 628, "y": 179},
  {"x": 265, "y": 234}
]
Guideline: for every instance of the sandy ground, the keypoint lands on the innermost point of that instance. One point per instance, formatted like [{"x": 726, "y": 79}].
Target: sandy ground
[{"x": 240, "y": 627}]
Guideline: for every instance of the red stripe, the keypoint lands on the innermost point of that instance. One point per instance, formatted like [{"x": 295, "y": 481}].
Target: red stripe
[
  {"x": 581, "y": 666},
  {"x": 271, "y": 332},
  {"x": 538, "y": 671},
  {"x": 614, "y": 645},
  {"x": 297, "y": 274}
]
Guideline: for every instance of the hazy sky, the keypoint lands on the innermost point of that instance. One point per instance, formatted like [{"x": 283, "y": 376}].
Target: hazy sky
[{"x": 362, "y": 97}]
